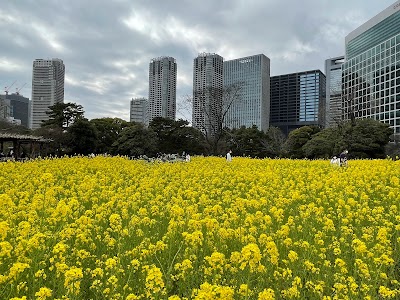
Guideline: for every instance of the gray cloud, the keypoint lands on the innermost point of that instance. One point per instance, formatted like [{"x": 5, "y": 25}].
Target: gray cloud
[{"x": 107, "y": 45}]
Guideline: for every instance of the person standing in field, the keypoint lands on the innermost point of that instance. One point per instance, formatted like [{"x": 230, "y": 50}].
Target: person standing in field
[
  {"x": 343, "y": 158},
  {"x": 229, "y": 156}
]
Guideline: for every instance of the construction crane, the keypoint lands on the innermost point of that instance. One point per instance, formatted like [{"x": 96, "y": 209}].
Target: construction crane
[
  {"x": 7, "y": 88},
  {"x": 18, "y": 89}
]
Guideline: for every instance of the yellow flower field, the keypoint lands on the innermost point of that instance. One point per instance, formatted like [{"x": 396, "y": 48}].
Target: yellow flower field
[{"x": 113, "y": 228}]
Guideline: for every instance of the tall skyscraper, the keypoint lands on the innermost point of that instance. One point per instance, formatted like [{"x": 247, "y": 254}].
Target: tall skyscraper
[
  {"x": 139, "y": 111},
  {"x": 371, "y": 72},
  {"x": 47, "y": 88},
  {"x": 162, "y": 88},
  {"x": 297, "y": 99},
  {"x": 333, "y": 72},
  {"x": 252, "y": 75},
  {"x": 207, "y": 92}
]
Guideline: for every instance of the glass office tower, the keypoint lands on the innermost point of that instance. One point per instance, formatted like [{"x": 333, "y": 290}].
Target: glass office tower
[
  {"x": 371, "y": 72},
  {"x": 252, "y": 75},
  {"x": 333, "y": 72},
  {"x": 297, "y": 99}
]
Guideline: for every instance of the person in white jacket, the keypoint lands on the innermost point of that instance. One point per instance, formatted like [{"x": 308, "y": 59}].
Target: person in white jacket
[
  {"x": 335, "y": 161},
  {"x": 229, "y": 156}
]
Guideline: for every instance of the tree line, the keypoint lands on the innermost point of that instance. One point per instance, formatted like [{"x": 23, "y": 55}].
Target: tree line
[{"x": 71, "y": 133}]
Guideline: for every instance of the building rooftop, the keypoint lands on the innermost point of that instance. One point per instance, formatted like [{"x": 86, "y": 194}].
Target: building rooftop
[
  {"x": 162, "y": 58},
  {"x": 395, "y": 7}
]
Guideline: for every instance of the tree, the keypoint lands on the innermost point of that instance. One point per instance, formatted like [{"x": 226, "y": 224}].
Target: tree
[
  {"x": 392, "y": 149},
  {"x": 274, "y": 141},
  {"x": 59, "y": 138},
  {"x": 247, "y": 142},
  {"x": 176, "y": 136},
  {"x": 7, "y": 127},
  {"x": 108, "y": 131},
  {"x": 63, "y": 114},
  {"x": 365, "y": 138},
  {"x": 136, "y": 140},
  {"x": 211, "y": 106},
  {"x": 297, "y": 139},
  {"x": 323, "y": 144},
  {"x": 189, "y": 140},
  {"x": 164, "y": 128},
  {"x": 83, "y": 137}
]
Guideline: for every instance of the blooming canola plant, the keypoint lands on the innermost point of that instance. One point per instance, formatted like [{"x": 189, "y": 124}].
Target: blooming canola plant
[{"x": 74, "y": 228}]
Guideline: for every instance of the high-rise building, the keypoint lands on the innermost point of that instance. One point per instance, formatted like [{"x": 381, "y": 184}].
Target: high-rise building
[
  {"x": 333, "y": 72},
  {"x": 297, "y": 99},
  {"x": 371, "y": 72},
  {"x": 251, "y": 75},
  {"x": 6, "y": 111},
  {"x": 47, "y": 88},
  {"x": 5, "y": 107},
  {"x": 162, "y": 87},
  {"x": 139, "y": 111},
  {"x": 207, "y": 92},
  {"x": 18, "y": 107}
]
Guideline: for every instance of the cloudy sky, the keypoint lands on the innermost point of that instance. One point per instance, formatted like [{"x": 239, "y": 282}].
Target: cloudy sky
[{"x": 106, "y": 45}]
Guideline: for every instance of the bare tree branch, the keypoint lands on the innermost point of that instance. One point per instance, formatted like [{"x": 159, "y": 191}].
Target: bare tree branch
[{"x": 210, "y": 108}]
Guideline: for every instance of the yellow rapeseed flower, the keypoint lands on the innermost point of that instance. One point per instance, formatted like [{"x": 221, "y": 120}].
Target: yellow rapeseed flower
[{"x": 43, "y": 293}]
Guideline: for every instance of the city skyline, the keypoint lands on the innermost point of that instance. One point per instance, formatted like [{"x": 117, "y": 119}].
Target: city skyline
[{"x": 106, "y": 52}]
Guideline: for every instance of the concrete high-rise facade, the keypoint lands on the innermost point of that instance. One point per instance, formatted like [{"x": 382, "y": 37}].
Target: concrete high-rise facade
[
  {"x": 251, "y": 75},
  {"x": 47, "y": 88},
  {"x": 139, "y": 111},
  {"x": 333, "y": 72},
  {"x": 207, "y": 92},
  {"x": 162, "y": 88},
  {"x": 371, "y": 72},
  {"x": 297, "y": 99},
  {"x": 5, "y": 107}
]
